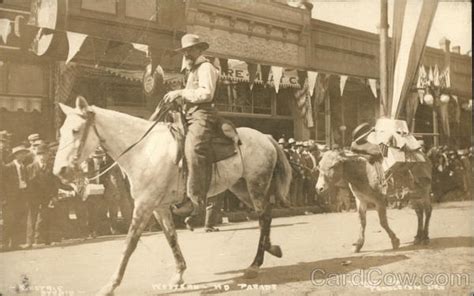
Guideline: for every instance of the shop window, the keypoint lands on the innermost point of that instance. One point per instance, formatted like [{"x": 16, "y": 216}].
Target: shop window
[
  {"x": 142, "y": 9},
  {"x": 25, "y": 79},
  {"x": 222, "y": 97},
  {"x": 262, "y": 99},
  {"x": 106, "y": 6},
  {"x": 284, "y": 98}
]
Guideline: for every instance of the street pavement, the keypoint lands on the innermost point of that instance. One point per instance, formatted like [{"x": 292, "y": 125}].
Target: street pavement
[{"x": 317, "y": 259}]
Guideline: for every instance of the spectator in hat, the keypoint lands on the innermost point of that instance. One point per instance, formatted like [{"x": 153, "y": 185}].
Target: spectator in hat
[
  {"x": 282, "y": 143},
  {"x": 5, "y": 149},
  {"x": 42, "y": 189},
  {"x": 35, "y": 144},
  {"x": 33, "y": 138},
  {"x": 309, "y": 180},
  {"x": 466, "y": 171},
  {"x": 14, "y": 191},
  {"x": 95, "y": 205}
]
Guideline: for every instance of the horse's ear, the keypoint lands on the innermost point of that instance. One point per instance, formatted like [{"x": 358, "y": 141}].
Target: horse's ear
[
  {"x": 81, "y": 104},
  {"x": 65, "y": 108}
]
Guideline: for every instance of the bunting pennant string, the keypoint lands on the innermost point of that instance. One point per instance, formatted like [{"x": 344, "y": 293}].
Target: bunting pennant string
[
  {"x": 277, "y": 72},
  {"x": 75, "y": 41},
  {"x": 373, "y": 87},
  {"x": 312, "y": 76},
  {"x": 5, "y": 29},
  {"x": 342, "y": 83}
]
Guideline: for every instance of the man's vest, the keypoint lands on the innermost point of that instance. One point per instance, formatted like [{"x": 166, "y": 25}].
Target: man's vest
[{"x": 192, "y": 82}]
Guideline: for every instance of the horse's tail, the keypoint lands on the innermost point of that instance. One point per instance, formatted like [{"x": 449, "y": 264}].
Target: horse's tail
[{"x": 281, "y": 174}]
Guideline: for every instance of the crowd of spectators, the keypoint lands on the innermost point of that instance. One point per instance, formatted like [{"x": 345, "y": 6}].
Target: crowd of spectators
[{"x": 37, "y": 209}]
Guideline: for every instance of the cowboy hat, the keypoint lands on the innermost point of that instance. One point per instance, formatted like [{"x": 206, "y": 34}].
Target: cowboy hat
[
  {"x": 19, "y": 149},
  {"x": 361, "y": 131},
  {"x": 190, "y": 40}
]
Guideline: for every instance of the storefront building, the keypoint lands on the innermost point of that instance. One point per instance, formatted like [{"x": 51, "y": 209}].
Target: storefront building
[{"x": 252, "y": 42}]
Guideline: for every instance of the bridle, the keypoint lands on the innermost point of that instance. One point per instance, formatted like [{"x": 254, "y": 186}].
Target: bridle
[{"x": 89, "y": 116}]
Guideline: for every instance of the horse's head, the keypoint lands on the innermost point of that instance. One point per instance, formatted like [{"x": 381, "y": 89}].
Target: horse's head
[
  {"x": 330, "y": 170},
  {"x": 78, "y": 139}
]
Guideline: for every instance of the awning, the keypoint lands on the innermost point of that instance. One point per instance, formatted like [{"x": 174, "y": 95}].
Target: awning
[
  {"x": 238, "y": 72},
  {"x": 137, "y": 75},
  {"x": 17, "y": 103}
]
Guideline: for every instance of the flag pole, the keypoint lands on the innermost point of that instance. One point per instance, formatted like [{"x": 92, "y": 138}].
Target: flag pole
[{"x": 383, "y": 31}]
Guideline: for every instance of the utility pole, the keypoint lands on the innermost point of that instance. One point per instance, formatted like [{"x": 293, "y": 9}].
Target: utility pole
[{"x": 383, "y": 31}]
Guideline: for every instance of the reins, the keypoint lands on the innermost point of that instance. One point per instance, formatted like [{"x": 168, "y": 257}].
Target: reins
[{"x": 90, "y": 122}]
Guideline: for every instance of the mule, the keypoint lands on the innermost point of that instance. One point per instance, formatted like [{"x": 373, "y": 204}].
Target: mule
[
  {"x": 363, "y": 181},
  {"x": 259, "y": 175}
]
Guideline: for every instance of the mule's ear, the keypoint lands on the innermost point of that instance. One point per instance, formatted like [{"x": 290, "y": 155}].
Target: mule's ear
[
  {"x": 81, "y": 104},
  {"x": 65, "y": 108}
]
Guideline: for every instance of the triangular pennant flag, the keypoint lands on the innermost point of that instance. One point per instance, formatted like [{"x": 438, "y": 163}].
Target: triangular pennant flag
[
  {"x": 252, "y": 69},
  {"x": 421, "y": 82},
  {"x": 373, "y": 86},
  {"x": 312, "y": 76},
  {"x": 342, "y": 83},
  {"x": 5, "y": 29},
  {"x": 141, "y": 47},
  {"x": 75, "y": 41},
  {"x": 277, "y": 72},
  {"x": 436, "y": 76}
]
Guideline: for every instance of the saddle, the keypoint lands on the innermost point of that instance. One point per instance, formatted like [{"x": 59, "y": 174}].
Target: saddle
[{"x": 224, "y": 142}]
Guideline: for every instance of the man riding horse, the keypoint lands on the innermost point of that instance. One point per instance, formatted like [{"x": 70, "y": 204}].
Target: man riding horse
[{"x": 197, "y": 99}]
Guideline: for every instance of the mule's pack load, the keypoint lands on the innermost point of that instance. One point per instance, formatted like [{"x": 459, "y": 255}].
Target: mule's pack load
[{"x": 399, "y": 147}]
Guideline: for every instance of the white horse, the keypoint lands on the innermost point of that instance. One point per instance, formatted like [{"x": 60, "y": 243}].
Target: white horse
[{"x": 259, "y": 172}]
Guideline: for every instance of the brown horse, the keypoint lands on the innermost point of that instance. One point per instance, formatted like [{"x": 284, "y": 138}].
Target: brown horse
[{"x": 363, "y": 181}]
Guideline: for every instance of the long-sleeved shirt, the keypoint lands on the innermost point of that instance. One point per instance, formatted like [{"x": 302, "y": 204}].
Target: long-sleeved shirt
[{"x": 201, "y": 83}]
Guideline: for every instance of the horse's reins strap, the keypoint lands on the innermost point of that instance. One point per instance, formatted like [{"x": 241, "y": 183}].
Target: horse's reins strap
[{"x": 121, "y": 154}]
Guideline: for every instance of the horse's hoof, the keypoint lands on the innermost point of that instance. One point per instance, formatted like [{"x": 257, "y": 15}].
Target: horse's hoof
[
  {"x": 356, "y": 248},
  {"x": 275, "y": 250},
  {"x": 176, "y": 280},
  {"x": 426, "y": 241},
  {"x": 395, "y": 244},
  {"x": 251, "y": 273}
]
